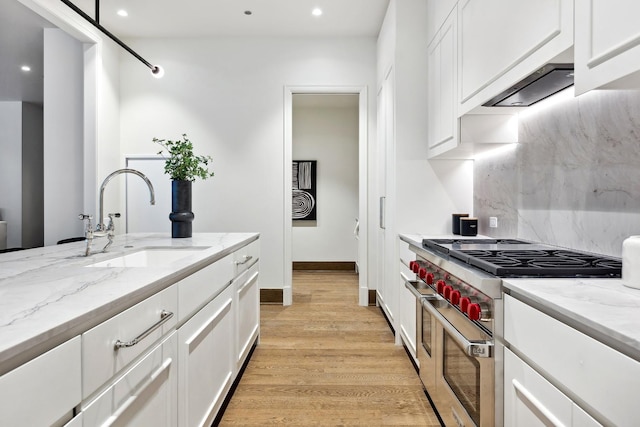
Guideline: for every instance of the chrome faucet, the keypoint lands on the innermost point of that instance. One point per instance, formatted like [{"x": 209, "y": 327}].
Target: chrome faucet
[{"x": 109, "y": 231}]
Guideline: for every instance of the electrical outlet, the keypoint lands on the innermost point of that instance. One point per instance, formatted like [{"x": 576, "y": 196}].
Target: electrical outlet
[{"x": 493, "y": 222}]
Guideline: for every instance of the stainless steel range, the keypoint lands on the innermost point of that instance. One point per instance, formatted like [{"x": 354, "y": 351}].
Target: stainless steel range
[{"x": 459, "y": 297}]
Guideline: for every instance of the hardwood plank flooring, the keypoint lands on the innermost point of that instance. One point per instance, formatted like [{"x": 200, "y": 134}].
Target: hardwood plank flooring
[{"x": 325, "y": 361}]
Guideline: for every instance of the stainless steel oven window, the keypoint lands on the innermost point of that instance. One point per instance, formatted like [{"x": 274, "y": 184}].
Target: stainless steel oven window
[
  {"x": 462, "y": 373},
  {"x": 426, "y": 331}
]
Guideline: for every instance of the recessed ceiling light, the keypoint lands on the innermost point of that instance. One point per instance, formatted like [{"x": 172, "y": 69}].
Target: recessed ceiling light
[
  {"x": 316, "y": 12},
  {"x": 25, "y": 68},
  {"x": 122, "y": 13}
]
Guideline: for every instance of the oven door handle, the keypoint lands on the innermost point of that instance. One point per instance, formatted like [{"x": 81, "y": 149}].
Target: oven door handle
[
  {"x": 473, "y": 348},
  {"x": 408, "y": 283}
]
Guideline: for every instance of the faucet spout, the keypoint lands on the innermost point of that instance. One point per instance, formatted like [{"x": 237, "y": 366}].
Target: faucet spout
[{"x": 100, "y": 226}]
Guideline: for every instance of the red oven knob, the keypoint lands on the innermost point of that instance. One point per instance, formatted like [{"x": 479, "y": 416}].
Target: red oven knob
[
  {"x": 429, "y": 279},
  {"x": 447, "y": 291},
  {"x": 415, "y": 267},
  {"x": 411, "y": 265},
  {"x": 464, "y": 304},
  {"x": 454, "y": 297},
  {"x": 474, "y": 311},
  {"x": 440, "y": 286},
  {"x": 422, "y": 273}
]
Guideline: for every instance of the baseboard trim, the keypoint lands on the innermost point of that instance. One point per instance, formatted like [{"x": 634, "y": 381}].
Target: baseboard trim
[
  {"x": 271, "y": 296},
  {"x": 325, "y": 266}
]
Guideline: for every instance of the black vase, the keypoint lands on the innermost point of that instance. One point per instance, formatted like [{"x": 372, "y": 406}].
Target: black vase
[{"x": 181, "y": 216}]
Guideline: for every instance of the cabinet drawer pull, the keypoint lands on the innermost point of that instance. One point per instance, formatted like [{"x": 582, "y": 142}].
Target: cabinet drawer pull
[
  {"x": 246, "y": 259},
  {"x": 530, "y": 400},
  {"x": 164, "y": 316}
]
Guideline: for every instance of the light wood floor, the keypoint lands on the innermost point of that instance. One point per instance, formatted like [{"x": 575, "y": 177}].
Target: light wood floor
[{"x": 325, "y": 361}]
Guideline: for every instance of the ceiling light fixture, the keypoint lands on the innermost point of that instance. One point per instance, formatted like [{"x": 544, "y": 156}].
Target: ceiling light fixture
[
  {"x": 122, "y": 13},
  {"x": 25, "y": 68},
  {"x": 156, "y": 70},
  {"x": 316, "y": 11},
  {"x": 248, "y": 12}
]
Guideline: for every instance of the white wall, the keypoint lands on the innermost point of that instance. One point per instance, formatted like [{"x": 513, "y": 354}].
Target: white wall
[
  {"x": 11, "y": 170},
  {"x": 227, "y": 94},
  {"x": 330, "y": 136}
]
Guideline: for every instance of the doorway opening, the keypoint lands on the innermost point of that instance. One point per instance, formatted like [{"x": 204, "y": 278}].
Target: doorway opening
[{"x": 325, "y": 221}]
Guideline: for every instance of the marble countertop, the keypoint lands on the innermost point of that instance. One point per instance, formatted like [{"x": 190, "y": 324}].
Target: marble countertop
[
  {"x": 603, "y": 309},
  {"x": 49, "y": 295}
]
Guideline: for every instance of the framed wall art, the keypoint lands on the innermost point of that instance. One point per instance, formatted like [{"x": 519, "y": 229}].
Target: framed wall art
[{"x": 304, "y": 190}]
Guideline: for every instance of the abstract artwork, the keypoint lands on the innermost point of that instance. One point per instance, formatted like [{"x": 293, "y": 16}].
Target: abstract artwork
[{"x": 304, "y": 190}]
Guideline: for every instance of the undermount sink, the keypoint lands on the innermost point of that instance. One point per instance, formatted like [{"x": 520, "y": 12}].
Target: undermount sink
[{"x": 151, "y": 257}]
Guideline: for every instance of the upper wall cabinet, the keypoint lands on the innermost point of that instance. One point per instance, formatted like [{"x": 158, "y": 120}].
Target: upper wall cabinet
[
  {"x": 437, "y": 12},
  {"x": 503, "y": 41},
  {"x": 442, "y": 73},
  {"x": 607, "y": 51}
]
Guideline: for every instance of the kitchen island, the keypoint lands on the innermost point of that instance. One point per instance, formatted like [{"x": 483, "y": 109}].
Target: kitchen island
[{"x": 54, "y": 297}]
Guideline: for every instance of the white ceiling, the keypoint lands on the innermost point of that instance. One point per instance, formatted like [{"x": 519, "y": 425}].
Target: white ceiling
[
  {"x": 21, "y": 29},
  {"x": 198, "y": 18}
]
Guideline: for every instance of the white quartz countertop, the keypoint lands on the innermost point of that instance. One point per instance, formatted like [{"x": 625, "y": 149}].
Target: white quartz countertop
[
  {"x": 604, "y": 309},
  {"x": 48, "y": 295}
]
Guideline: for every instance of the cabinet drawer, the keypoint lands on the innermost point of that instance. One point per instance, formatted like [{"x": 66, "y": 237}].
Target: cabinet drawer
[
  {"x": 146, "y": 395},
  {"x": 195, "y": 291},
  {"x": 101, "y": 360},
  {"x": 529, "y": 399},
  {"x": 247, "y": 291},
  {"x": 244, "y": 257},
  {"x": 43, "y": 390},
  {"x": 585, "y": 369}
]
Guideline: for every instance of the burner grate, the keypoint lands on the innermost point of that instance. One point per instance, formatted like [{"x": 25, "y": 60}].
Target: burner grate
[{"x": 540, "y": 263}]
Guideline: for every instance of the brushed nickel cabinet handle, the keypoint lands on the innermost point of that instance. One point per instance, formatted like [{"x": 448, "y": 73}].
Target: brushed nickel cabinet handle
[
  {"x": 246, "y": 258},
  {"x": 164, "y": 316}
]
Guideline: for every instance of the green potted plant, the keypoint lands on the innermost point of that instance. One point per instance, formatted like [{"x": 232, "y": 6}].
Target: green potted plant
[{"x": 183, "y": 166}]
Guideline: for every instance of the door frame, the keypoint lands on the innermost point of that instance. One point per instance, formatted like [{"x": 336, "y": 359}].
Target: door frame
[{"x": 361, "y": 91}]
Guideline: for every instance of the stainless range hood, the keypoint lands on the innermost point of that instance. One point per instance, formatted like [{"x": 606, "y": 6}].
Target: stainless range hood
[{"x": 548, "y": 80}]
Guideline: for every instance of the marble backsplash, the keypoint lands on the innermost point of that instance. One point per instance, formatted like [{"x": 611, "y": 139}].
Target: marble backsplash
[{"x": 573, "y": 180}]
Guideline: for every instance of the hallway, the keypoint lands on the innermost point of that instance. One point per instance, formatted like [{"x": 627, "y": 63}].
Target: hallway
[{"x": 327, "y": 361}]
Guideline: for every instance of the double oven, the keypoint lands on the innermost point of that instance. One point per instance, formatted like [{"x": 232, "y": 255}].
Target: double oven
[
  {"x": 460, "y": 359},
  {"x": 458, "y": 288}
]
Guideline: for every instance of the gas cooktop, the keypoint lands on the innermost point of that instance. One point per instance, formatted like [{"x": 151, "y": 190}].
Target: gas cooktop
[{"x": 518, "y": 258}]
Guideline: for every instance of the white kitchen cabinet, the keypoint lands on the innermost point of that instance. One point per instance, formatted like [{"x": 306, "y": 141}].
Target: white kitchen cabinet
[
  {"x": 442, "y": 88},
  {"x": 437, "y": 12},
  {"x": 145, "y": 395},
  {"x": 502, "y": 41},
  {"x": 207, "y": 361},
  {"x": 102, "y": 361},
  {"x": 247, "y": 297},
  {"x": 607, "y": 45},
  {"x": 532, "y": 401},
  {"x": 43, "y": 391},
  {"x": 196, "y": 290},
  {"x": 407, "y": 301},
  {"x": 602, "y": 380}
]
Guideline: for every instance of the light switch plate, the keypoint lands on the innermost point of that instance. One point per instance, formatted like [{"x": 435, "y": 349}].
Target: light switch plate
[{"x": 493, "y": 222}]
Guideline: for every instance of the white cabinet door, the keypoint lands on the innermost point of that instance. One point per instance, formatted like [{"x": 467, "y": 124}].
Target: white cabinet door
[
  {"x": 247, "y": 295},
  {"x": 206, "y": 358},
  {"x": 437, "y": 12},
  {"x": 407, "y": 301},
  {"x": 607, "y": 45},
  {"x": 442, "y": 88},
  {"x": 146, "y": 395},
  {"x": 503, "y": 41},
  {"x": 43, "y": 391},
  {"x": 529, "y": 399}
]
